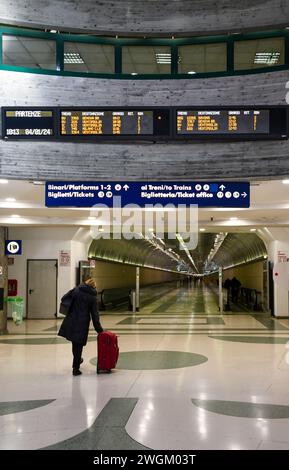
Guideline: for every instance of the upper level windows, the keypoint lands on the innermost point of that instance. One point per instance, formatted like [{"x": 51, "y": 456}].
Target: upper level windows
[
  {"x": 70, "y": 54},
  {"x": 259, "y": 53},
  {"x": 28, "y": 52},
  {"x": 154, "y": 60},
  {"x": 202, "y": 58},
  {"x": 88, "y": 58}
]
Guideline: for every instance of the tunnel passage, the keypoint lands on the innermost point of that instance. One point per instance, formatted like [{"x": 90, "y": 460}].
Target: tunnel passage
[{"x": 172, "y": 278}]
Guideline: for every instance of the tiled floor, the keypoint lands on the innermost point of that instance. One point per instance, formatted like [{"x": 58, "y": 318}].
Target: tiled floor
[{"x": 200, "y": 380}]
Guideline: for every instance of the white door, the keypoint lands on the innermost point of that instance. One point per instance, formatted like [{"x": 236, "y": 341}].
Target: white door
[{"x": 41, "y": 288}]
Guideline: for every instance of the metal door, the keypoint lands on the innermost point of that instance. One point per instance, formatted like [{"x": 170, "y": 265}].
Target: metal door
[{"x": 41, "y": 288}]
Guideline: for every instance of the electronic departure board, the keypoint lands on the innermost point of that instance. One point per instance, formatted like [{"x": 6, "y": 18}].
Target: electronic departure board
[
  {"x": 232, "y": 123},
  {"x": 115, "y": 124},
  {"x": 236, "y": 121},
  {"x": 107, "y": 123},
  {"x": 28, "y": 123}
]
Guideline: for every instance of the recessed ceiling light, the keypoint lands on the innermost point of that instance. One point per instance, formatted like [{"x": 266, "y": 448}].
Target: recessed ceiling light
[
  {"x": 267, "y": 58},
  {"x": 3, "y": 181},
  {"x": 252, "y": 230},
  {"x": 202, "y": 229},
  {"x": 91, "y": 218},
  {"x": 285, "y": 181},
  {"x": 163, "y": 57},
  {"x": 73, "y": 58},
  {"x": 10, "y": 199},
  {"x": 191, "y": 72},
  {"x": 53, "y": 31},
  {"x": 15, "y": 216},
  {"x": 133, "y": 73},
  {"x": 101, "y": 229}
]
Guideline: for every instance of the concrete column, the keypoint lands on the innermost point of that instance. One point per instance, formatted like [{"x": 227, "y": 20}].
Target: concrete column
[{"x": 3, "y": 282}]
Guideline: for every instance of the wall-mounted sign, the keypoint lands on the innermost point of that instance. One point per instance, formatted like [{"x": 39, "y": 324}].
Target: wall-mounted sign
[
  {"x": 132, "y": 123},
  {"x": 13, "y": 247},
  {"x": 104, "y": 122},
  {"x": 64, "y": 257},
  {"x": 282, "y": 256},
  {"x": 12, "y": 287},
  {"x": 281, "y": 274},
  {"x": 203, "y": 194},
  {"x": 28, "y": 123},
  {"x": 221, "y": 121}
]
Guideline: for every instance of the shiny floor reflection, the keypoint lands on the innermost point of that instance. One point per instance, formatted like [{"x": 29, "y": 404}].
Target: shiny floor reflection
[{"x": 234, "y": 398}]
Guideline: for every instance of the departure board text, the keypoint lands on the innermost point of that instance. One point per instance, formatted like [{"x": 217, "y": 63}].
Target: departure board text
[
  {"x": 243, "y": 121},
  {"x": 28, "y": 122},
  {"x": 107, "y": 122}
]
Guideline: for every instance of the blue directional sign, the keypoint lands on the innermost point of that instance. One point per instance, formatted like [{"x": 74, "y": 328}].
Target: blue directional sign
[
  {"x": 13, "y": 247},
  {"x": 143, "y": 193}
]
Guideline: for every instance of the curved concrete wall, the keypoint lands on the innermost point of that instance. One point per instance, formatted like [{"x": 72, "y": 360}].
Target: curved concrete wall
[
  {"x": 150, "y": 16},
  {"x": 44, "y": 160}
]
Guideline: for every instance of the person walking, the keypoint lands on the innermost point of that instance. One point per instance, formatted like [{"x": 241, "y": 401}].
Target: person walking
[
  {"x": 235, "y": 287},
  {"x": 75, "y": 325}
]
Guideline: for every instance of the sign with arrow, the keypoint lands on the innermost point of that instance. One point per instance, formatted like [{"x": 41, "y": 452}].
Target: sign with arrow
[{"x": 144, "y": 193}]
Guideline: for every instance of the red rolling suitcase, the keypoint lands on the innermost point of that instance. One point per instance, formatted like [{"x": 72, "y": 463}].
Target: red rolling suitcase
[{"x": 107, "y": 351}]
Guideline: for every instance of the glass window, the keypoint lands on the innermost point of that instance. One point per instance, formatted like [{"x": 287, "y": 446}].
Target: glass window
[
  {"x": 29, "y": 52},
  {"x": 256, "y": 53},
  {"x": 84, "y": 57},
  {"x": 146, "y": 59},
  {"x": 201, "y": 58}
]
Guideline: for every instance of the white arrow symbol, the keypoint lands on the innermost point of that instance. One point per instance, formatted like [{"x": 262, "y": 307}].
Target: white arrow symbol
[
  {"x": 244, "y": 194},
  {"x": 126, "y": 187},
  {"x": 222, "y": 187}
]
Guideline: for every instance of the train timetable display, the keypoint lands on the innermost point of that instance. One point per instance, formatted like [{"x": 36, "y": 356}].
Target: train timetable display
[
  {"x": 227, "y": 122},
  {"x": 107, "y": 123},
  {"x": 25, "y": 123}
]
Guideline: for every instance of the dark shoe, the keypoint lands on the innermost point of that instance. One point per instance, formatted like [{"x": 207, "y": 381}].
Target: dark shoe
[
  {"x": 76, "y": 372},
  {"x": 81, "y": 361}
]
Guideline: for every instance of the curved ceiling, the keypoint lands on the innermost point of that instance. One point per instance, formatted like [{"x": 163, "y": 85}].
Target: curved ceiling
[
  {"x": 239, "y": 248},
  {"x": 138, "y": 252},
  {"x": 150, "y": 16}
]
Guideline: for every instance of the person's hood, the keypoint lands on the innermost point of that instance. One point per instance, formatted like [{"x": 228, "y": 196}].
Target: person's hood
[{"x": 87, "y": 289}]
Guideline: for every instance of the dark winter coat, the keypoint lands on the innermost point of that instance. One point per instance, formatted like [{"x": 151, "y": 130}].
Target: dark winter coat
[{"x": 75, "y": 325}]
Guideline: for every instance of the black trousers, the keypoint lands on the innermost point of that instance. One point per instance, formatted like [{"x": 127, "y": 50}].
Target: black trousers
[{"x": 76, "y": 351}]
